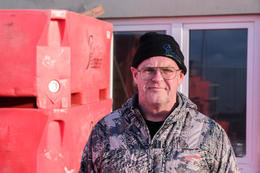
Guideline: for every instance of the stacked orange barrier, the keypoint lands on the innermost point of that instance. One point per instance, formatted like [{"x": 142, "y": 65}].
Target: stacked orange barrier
[{"x": 54, "y": 86}]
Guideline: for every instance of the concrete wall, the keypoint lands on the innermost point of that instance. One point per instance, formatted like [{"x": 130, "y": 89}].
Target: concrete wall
[{"x": 143, "y": 8}]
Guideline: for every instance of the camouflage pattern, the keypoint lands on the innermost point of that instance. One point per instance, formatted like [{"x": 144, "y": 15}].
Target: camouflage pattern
[{"x": 188, "y": 141}]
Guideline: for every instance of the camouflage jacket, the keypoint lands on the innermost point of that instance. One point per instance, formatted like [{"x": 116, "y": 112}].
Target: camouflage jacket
[{"x": 188, "y": 141}]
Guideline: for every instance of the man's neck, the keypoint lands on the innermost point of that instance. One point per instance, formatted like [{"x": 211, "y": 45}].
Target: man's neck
[{"x": 155, "y": 113}]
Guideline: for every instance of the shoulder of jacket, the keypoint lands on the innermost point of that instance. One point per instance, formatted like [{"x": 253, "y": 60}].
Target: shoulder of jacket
[
  {"x": 210, "y": 130},
  {"x": 111, "y": 116},
  {"x": 110, "y": 120},
  {"x": 201, "y": 118}
]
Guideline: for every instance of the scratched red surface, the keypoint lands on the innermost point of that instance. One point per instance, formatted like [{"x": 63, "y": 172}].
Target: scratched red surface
[{"x": 54, "y": 86}]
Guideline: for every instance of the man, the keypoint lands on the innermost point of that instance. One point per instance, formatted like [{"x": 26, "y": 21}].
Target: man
[{"x": 158, "y": 129}]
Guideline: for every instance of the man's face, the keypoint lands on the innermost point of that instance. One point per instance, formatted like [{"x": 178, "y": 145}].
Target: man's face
[{"x": 155, "y": 86}]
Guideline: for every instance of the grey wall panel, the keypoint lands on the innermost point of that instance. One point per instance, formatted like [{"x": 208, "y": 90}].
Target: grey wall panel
[{"x": 143, "y": 8}]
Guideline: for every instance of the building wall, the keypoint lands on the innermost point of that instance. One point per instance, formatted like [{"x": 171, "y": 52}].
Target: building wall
[
  {"x": 153, "y": 8},
  {"x": 143, "y": 8}
]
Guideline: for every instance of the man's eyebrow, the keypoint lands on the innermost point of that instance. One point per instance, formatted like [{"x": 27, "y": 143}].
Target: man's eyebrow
[{"x": 159, "y": 66}]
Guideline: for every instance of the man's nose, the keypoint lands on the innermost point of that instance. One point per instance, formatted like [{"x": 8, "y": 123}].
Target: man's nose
[{"x": 157, "y": 76}]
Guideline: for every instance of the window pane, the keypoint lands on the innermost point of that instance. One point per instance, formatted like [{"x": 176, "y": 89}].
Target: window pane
[
  {"x": 125, "y": 44},
  {"x": 217, "y": 79}
]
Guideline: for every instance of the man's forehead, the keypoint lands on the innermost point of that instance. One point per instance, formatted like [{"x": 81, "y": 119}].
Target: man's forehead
[{"x": 158, "y": 61}]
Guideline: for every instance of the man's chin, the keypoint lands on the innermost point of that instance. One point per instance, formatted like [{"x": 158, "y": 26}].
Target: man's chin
[{"x": 156, "y": 99}]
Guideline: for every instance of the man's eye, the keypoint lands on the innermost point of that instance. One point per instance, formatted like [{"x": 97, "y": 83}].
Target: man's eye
[
  {"x": 149, "y": 70},
  {"x": 167, "y": 70}
]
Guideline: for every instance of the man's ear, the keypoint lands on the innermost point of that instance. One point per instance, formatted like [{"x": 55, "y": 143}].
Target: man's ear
[
  {"x": 134, "y": 73},
  {"x": 181, "y": 77}
]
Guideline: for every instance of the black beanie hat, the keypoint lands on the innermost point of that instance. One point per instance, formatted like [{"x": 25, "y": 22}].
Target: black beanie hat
[{"x": 153, "y": 44}]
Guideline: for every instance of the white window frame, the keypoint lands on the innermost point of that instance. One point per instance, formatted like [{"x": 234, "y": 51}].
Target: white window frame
[{"x": 179, "y": 28}]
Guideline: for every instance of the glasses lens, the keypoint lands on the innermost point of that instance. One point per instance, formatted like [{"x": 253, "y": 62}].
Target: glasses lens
[{"x": 168, "y": 72}]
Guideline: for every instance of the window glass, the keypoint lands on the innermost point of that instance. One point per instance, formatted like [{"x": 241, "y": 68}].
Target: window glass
[
  {"x": 217, "y": 79},
  {"x": 125, "y": 44}
]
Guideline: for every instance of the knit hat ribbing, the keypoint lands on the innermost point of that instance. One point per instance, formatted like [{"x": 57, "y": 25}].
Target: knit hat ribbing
[{"x": 153, "y": 44}]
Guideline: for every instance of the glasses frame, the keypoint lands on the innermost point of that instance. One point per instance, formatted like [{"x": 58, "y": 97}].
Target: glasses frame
[{"x": 160, "y": 70}]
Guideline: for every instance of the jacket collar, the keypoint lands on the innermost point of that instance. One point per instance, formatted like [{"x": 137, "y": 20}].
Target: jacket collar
[{"x": 178, "y": 113}]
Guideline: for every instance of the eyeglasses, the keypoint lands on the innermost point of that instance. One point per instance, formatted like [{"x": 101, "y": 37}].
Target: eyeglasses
[{"x": 167, "y": 73}]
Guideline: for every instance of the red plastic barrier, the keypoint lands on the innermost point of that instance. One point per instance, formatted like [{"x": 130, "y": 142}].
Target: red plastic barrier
[{"x": 54, "y": 86}]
